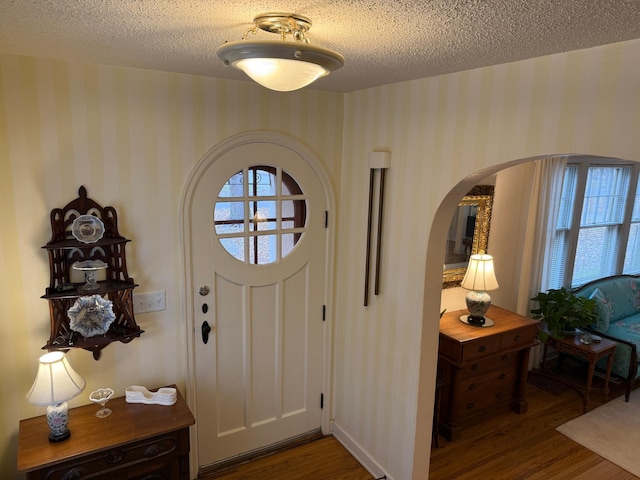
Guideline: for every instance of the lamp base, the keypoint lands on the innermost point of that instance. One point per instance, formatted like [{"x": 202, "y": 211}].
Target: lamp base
[
  {"x": 467, "y": 319},
  {"x": 478, "y": 303},
  {"x": 59, "y": 438},
  {"x": 57, "y": 419}
]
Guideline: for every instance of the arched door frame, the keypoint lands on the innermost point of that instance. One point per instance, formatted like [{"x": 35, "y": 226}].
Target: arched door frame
[
  {"x": 430, "y": 316},
  {"x": 431, "y": 306},
  {"x": 187, "y": 270}
]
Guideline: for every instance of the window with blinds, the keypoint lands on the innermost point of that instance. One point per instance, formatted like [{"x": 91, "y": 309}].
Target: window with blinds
[
  {"x": 632, "y": 254},
  {"x": 598, "y": 229}
]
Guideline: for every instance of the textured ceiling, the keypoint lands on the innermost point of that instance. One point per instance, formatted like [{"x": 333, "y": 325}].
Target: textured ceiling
[{"x": 382, "y": 41}]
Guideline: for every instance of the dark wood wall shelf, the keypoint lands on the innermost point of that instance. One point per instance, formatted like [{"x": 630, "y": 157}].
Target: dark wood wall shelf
[
  {"x": 106, "y": 286},
  {"x": 64, "y": 250}
]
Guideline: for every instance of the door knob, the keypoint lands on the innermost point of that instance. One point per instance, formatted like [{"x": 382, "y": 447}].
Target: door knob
[
  {"x": 206, "y": 330},
  {"x": 204, "y": 290}
]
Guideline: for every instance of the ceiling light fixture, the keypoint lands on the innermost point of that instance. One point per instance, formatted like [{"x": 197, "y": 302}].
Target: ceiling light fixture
[{"x": 282, "y": 65}]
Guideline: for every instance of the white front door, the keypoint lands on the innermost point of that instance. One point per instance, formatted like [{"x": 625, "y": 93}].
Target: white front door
[{"x": 258, "y": 241}]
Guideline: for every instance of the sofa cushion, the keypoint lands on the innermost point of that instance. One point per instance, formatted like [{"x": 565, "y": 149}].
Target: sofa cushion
[
  {"x": 623, "y": 296},
  {"x": 604, "y": 310},
  {"x": 627, "y": 328},
  {"x": 635, "y": 294}
]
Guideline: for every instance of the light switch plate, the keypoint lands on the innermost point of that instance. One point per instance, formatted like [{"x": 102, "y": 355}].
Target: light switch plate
[{"x": 149, "y": 302}]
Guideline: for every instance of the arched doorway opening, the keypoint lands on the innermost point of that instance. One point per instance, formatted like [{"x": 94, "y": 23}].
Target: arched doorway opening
[
  {"x": 432, "y": 291},
  {"x": 431, "y": 315}
]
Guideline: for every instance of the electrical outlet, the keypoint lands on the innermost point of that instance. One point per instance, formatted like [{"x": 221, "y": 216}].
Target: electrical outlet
[{"x": 149, "y": 302}]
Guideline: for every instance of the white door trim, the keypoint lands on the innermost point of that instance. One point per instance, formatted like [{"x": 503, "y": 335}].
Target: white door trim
[{"x": 185, "y": 246}]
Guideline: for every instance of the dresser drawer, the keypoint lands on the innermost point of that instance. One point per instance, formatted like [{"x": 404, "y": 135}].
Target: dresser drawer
[
  {"x": 517, "y": 338},
  {"x": 146, "y": 452},
  {"x": 475, "y": 385},
  {"x": 494, "y": 393},
  {"x": 506, "y": 341},
  {"x": 482, "y": 366},
  {"x": 480, "y": 348}
]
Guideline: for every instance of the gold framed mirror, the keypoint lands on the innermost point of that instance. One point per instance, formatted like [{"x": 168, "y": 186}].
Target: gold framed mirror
[{"x": 468, "y": 233}]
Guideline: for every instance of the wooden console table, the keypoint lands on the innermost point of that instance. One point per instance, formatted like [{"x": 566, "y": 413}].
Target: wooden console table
[
  {"x": 591, "y": 353},
  {"x": 484, "y": 368},
  {"x": 136, "y": 441}
]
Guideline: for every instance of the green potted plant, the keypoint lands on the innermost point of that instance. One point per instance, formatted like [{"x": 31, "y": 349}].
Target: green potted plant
[{"x": 563, "y": 312}]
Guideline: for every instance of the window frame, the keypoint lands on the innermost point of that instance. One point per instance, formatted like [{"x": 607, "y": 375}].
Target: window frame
[
  {"x": 575, "y": 227},
  {"x": 251, "y": 232}
]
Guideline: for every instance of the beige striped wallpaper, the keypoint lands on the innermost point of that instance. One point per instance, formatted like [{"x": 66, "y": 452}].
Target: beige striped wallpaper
[
  {"x": 132, "y": 137},
  {"x": 440, "y": 131}
]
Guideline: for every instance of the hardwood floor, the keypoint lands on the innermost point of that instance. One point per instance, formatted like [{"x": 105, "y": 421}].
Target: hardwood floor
[
  {"x": 527, "y": 446},
  {"x": 323, "y": 459},
  {"x": 510, "y": 447}
]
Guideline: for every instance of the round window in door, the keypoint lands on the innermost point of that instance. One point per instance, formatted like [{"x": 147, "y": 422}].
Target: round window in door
[{"x": 260, "y": 215}]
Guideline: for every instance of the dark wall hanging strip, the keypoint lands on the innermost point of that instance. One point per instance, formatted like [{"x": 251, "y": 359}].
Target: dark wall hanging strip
[
  {"x": 378, "y": 161},
  {"x": 367, "y": 266}
]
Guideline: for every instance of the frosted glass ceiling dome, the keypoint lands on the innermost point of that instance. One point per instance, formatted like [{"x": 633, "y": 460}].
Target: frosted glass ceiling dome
[{"x": 282, "y": 65}]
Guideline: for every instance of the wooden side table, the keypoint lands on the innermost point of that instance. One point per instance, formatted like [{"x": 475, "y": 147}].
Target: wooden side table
[
  {"x": 590, "y": 352},
  {"x": 136, "y": 441}
]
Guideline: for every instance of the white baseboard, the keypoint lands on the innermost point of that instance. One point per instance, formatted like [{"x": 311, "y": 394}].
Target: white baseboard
[{"x": 360, "y": 454}]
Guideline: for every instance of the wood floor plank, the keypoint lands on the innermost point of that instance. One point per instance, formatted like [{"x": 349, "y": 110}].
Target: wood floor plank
[{"x": 323, "y": 459}]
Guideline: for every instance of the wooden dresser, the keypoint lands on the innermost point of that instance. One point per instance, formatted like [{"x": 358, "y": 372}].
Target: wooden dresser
[
  {"x": 136, "y": 441},
  {"x": 484, "y": 369}
]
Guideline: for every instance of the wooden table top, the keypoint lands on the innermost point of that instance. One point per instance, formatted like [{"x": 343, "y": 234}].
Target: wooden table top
[
  {"x": 128, "y": 422},
  {"x": 594, "y": 347},
  {"x": 505, "y": 320}
]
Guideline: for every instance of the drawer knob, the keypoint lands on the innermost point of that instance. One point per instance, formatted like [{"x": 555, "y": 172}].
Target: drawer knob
[
  {"x": 469, "y": 405},
  {"x": 152, "y": 450},
  {"x": 504, "y": 358},
  {"x": 472, "y": 386},
  {"x": 482, "y": 348},
  {"x": 114, "y": 457},
  {"x": 474, "y": 366},
  {"x": 502, "y": 376},
  {"x": 76, "y": 473},
  {"x": 517, "y": 339},
  {"x": 499, "y": 395}
]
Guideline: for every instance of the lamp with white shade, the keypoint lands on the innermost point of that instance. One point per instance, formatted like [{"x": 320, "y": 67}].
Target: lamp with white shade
[
  {"x": 479, "y": 278},
  {"x": 55, "y": 383}
]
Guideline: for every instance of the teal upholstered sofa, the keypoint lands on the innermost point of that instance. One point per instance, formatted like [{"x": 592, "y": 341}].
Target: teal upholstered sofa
[{"x": 618, "y": 310}]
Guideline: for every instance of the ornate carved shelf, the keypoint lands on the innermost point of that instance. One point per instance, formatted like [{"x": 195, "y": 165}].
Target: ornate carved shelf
[{"x": 64, "y": 250}]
